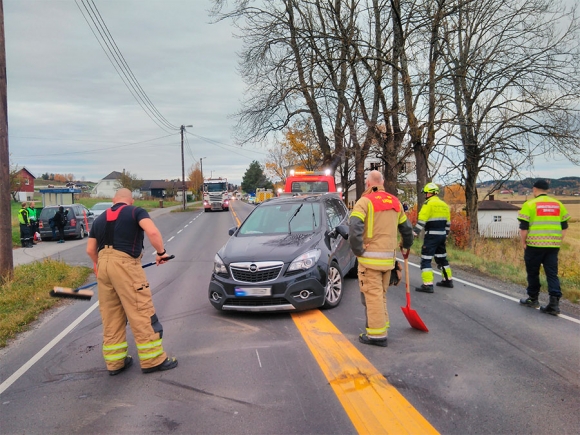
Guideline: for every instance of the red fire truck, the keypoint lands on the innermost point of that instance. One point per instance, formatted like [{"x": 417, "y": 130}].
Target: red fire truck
[{"x": 305, "y": 182}]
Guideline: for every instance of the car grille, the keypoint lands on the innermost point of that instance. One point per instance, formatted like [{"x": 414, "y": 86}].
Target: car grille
[
  {"x": 257, "y": 302},
  {"x": 256, "y": 272}
]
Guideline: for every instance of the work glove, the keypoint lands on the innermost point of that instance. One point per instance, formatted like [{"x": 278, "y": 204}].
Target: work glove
[{"x": 396, "y": 274}]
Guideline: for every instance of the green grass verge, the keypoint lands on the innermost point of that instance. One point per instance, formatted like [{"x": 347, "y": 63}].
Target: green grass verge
[{"x": 26, "y": 295}]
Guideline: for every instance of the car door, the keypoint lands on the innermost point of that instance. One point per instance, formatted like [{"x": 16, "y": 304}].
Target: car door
[{"x": 336, "y": 214}]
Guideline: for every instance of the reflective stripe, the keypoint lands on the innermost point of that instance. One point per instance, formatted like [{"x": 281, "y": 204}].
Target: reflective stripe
[
  {"x": 378, "y": 254},
  {"x": 426, "y": 257},
  {"x": 115, "y": 357},
  {"x": 371, "y": 223},
  {"x": 144, "y": 356},
  {"x": 149, "y": 345},
  {"x": 437, "y": 233},
  {"x": 358, "y": 215},
  {"x": 377, "y": 261},
  {"x": 379, "y": 331},
  {"x": 115, "y": 346}
]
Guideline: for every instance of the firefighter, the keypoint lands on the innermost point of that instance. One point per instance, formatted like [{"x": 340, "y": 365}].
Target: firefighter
[
  {"x": 116, "y": 245},
  {"x": 33, "y": 219},
  {"x": 24, "y": 222},
  {"x": 373, "y": 225},
  {"x": 543, "y": 224},
  {"x": 435, "y": 219}
]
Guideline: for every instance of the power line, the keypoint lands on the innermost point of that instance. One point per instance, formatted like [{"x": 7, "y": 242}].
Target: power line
[
  {"x": 219, "y": 144},
  {"x": 137, "y": 91},
  {"x": 98, "y": 150}
]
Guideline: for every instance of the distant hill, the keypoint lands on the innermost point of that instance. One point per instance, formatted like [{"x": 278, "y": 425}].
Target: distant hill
[{"x": 568, "y": 183}]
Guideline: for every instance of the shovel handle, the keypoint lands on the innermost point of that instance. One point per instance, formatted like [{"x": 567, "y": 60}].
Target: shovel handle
[
  {"x": 405, "y": 254},
  {"x": 171, "y": 257}
]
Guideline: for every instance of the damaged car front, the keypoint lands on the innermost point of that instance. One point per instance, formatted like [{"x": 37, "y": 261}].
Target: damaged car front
[{"x": 289, "y": 254}]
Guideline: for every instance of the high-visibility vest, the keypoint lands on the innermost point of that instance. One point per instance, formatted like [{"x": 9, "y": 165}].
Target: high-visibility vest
[
  {"x": 545, "y": 215},
  {"x": 434, "y": 217},
  {"x": 23, "y": 216}
]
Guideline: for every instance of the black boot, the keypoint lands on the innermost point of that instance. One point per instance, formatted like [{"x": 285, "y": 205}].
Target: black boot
[
  {"x": 530, "y": 301},
  {"x": 445, "y": 283},
  {"x": 553, "y": 306},
  {"x": 425, "y": 288}
]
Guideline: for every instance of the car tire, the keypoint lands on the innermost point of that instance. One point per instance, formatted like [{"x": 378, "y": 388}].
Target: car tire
[
  {"x": 334, "y": 287},
  {"x": 81, "y": 233},
  {"x": 206, "y": 210},
  {"x": 353, "y": 273}
]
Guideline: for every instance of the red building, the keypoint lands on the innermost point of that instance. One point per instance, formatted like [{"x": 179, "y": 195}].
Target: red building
[{"x": 26, "y": 187}]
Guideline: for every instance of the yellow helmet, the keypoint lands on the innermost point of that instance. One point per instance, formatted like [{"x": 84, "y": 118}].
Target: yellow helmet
[{"x": 431, "y": 188}]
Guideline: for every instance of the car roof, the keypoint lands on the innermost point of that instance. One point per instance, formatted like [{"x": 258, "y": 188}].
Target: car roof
[{"x": 293, "y": 198}]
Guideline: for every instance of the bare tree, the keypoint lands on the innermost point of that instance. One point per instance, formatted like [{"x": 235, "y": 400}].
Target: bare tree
[{"x": 513, "y": 68}]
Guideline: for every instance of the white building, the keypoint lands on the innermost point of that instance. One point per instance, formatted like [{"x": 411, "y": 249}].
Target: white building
[
  {"x": 497, "y": 219},
  {"x": 107, "y": 187}
]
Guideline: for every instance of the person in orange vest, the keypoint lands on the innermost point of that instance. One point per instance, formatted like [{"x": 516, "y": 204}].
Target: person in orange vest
[
  {"x": 116, "y": 246},
  {"x": 374, "y": 221},
  {"x": 543, "y": 224}
]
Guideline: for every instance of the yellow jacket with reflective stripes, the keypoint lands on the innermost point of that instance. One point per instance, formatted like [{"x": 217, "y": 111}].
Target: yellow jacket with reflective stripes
[
  {"x": 23, "y": 216},
  {"x": 434, "y": 217},
  {"x": 373, "y": 233},
  {"x": 545, "y": 216}
]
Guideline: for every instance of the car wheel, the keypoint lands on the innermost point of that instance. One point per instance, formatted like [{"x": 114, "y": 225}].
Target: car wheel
[
  {"x": 333, "y": 292},
  {"x": 82, "y": 233},
  {"x": 206, "y": 210}
]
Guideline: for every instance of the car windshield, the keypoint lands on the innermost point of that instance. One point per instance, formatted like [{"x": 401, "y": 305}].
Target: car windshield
[
  {"x": 102, "y": 206},
  {"x": 216, "y": 187},
  {"x": 272, "y": 218}
]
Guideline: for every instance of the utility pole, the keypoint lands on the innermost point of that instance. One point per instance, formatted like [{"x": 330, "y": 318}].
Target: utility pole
[
  {"x": 6, "y": 261},
  {"x": 182, "y": 167}
]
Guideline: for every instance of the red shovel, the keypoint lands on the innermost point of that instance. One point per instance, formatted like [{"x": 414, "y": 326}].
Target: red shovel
[{"x": 411, "y": 315}]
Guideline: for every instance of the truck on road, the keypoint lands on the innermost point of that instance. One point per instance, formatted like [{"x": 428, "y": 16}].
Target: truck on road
[
  {"x": 215, "y": 194},
  {"x": 306, "y": 182}
]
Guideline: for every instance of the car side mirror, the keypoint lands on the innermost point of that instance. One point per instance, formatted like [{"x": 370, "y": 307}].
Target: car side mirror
[
  {"x": 343, "y": 231},
  {"x": 231, "y": 231}
]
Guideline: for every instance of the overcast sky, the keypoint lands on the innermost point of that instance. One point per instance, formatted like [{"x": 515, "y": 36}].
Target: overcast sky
[{"x": 70, "y": 112}]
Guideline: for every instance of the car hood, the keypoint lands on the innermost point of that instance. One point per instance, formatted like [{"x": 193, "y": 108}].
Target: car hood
[{"x": 282, "y": 247}]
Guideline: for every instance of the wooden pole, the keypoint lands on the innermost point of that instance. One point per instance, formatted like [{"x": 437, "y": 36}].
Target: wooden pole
[{"x": 6, "y": 261}]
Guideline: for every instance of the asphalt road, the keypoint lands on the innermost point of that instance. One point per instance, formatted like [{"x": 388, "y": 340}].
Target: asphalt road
[{"x": 487, "y": 365}]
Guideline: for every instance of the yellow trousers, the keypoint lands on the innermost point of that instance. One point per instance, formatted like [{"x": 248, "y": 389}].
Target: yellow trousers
[
  {"x": 124, "y": 295},
  {"x": 373, "y": 286}
]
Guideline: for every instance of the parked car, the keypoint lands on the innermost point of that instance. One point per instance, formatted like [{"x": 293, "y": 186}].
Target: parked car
[
  {"x": 79, "y": 221},
  {"x": 100, "y": 207},
  {"x": 291, "y": 253}
]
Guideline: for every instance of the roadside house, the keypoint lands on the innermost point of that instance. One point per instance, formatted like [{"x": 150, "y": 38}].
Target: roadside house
[
  {"x": 107, "y": 187},
  {"x": 497, "y": 219},
  {"x": 26, "y": 185}
]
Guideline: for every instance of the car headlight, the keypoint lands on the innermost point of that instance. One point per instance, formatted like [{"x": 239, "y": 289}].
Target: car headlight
[
  {"x": 218, "y": 266},
  {"x": 305, "y": 261}
]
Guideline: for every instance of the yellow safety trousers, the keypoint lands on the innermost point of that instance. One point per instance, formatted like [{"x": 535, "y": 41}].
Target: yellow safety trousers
[
  {"x": 124, "y": 295},
  {"x": 373, "y": 285}
]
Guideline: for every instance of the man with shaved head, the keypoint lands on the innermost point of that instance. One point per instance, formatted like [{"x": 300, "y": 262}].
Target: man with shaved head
[
  {"x": 116, "y": 245},
  {"x": 375, "y": 219}
]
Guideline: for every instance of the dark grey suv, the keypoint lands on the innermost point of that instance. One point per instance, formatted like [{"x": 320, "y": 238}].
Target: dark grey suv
[
  {"x": 79, "y": 221},
  {"x": 291, "y": 253}
]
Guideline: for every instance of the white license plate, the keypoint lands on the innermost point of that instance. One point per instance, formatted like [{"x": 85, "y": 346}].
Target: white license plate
[{"x": 253, "y": 291}]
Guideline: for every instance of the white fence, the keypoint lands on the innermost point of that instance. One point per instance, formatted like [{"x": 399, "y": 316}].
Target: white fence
[{"x": 499, "y": 230}]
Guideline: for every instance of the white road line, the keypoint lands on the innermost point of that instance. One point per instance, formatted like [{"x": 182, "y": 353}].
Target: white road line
[
  {"x": 18, "y": 373},
  {"x": 178, "y": 232},
  {"x": 493, "y": 292},
  {"x": 170, "y": 239},
  {"x": 258, "y": 355}
]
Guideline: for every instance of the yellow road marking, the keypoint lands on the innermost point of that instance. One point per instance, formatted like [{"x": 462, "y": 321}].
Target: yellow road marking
[{"x": 373, "y": 405}]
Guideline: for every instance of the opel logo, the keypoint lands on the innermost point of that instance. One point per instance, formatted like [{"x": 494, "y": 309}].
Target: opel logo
[{"x": 253, "y": 268}]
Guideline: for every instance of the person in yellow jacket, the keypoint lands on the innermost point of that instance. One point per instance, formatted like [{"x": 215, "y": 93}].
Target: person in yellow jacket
[
  {"x": 116, "y": 246},
  {"x": 373, "y": 225},
  {"x": 435, "y": 219},
  {"x": 543, "y": 224},
  {"x": 24, "y": 221}
]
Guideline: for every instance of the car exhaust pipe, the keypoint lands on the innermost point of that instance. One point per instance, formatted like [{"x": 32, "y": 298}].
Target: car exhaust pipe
[{"x": 215, "y": 296}]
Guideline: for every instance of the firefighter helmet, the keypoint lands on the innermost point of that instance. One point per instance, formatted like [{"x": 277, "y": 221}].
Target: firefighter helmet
[{"x": 431, "y": 188}]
